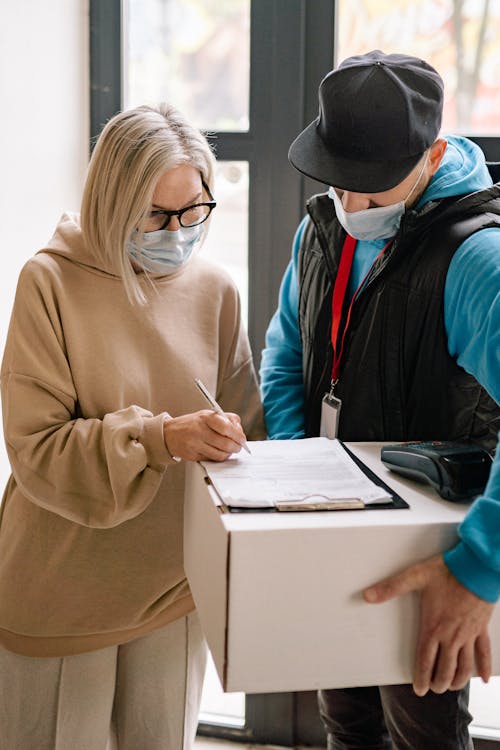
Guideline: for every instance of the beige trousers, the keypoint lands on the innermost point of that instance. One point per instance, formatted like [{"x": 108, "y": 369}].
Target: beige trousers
[{"x": 143, "y": 695}]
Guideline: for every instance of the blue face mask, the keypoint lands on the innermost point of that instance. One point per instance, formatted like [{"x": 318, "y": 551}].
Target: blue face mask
[
  {"x": 163, "y": 252},
  {"x": 376, "y": 223}
]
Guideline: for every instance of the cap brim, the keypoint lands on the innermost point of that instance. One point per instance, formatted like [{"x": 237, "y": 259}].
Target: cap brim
[{"x": 310, "y": 156}]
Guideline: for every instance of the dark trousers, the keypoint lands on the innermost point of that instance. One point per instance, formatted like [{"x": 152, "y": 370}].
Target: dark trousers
[{"x": 394, "y": 718}]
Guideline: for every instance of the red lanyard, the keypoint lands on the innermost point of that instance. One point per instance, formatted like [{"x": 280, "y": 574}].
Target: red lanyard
[{"x": 338, "y": 297}]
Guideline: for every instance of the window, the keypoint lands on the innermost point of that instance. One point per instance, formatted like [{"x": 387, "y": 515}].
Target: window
[
  {"x": 181, "y": 50},
  {"x": 460, "y": 39}
]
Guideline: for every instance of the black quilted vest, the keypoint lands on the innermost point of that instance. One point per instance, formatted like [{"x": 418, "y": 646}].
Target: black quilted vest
[{"x": 397, "y": 379}]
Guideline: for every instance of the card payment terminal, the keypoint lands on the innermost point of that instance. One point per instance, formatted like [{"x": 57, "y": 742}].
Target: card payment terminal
[{"x": 457, "y": 470}]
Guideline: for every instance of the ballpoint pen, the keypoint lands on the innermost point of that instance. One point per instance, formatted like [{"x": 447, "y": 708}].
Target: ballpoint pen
[{"x": 215, "y": 406}]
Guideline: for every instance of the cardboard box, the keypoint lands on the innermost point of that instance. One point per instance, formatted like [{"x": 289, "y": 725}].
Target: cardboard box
[{"x": 278, "y": 594}]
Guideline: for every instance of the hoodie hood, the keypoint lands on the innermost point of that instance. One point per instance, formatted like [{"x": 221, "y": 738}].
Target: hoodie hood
[
  {"x": 67, "y": 241},
  {"x": 462, "y": 170}
]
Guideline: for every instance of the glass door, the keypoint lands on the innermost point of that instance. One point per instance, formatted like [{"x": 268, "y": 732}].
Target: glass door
[{"x": 195, "y": 54}]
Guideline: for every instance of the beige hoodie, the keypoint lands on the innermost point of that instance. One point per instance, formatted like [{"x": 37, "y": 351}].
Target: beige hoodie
[{"x": 91, "y": 524}]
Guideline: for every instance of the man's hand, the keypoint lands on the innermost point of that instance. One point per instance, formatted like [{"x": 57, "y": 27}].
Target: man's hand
[{"x": 453, "y": 635}]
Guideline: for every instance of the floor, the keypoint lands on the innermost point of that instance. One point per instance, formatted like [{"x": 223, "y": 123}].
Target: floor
[
  {"x": 203, "y": 743},
  {"x": 484, "y": 704}
]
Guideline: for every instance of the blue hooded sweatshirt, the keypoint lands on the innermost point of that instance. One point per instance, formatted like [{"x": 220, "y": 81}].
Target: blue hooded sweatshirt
[{"x": 472, "y": 321}]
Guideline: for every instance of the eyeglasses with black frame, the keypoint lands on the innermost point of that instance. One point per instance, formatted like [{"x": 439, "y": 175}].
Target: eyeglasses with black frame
[{"x": 190, "y": 216}]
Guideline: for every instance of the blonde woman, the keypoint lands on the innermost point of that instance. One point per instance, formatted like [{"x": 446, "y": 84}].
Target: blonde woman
[{"x": 112, "y": 322}]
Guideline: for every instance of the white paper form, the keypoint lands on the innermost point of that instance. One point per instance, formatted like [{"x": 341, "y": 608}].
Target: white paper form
[{"x": 302, "y": 474}]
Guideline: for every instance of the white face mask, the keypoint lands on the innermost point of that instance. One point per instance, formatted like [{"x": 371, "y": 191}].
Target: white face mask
[
  {"x": 163, "y": 252},
  {"x": 373, "y": 223}
]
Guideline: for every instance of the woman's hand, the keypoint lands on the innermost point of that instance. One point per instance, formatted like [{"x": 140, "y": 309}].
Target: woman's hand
[{"x": 203, "y": 435}]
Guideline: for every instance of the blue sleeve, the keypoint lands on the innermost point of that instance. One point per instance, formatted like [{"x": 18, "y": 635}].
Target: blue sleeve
[
  {"x": 472, "y": 319},
  {"x": 281, "y": 368},
  {"x": 475, "y": 561}
]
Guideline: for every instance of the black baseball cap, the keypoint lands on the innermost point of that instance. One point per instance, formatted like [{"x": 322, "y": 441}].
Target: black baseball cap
[{"x": 378, "y": 113}]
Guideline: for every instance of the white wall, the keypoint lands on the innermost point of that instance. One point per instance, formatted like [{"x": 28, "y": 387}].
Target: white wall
[{"x": 43, "y": 131}]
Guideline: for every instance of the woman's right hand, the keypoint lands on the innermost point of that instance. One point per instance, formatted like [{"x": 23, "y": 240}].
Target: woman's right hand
[{"x": 203, "y": 435}]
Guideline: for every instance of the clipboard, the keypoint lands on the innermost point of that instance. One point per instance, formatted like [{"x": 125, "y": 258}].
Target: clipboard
[
  {"x": 397, "y": 500},
  {"x": 312, "y": 502}
]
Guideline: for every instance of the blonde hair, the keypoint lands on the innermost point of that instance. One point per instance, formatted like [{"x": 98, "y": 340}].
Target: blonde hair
[{"x": 135, "y": 148}]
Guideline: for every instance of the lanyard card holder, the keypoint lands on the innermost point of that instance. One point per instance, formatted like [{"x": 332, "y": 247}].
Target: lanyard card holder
[{"x": 330, "y": 413}]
